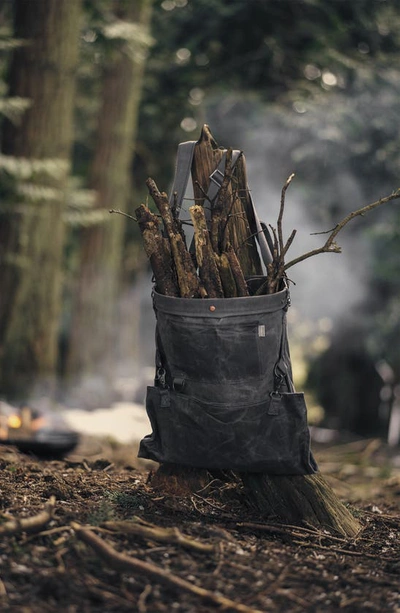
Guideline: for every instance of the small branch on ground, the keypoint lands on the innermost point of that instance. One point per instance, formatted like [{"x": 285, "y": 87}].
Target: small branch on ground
[
  {"x": 124, "y": 563},
  {"x": 30, "y": 524},
  {"x": 156, "y": 533}
]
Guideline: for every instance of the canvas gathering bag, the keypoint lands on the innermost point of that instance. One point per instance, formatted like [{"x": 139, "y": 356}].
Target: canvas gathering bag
[{"x": 223, "y": 395}]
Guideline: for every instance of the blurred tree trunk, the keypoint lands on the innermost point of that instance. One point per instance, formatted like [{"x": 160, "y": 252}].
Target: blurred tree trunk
[
  {"x": 95, "y": 309},
  {"x": 34, "y": 172}
]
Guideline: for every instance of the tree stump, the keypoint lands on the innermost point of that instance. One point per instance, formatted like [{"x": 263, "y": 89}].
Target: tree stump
[{"x": 225, "y": 256}]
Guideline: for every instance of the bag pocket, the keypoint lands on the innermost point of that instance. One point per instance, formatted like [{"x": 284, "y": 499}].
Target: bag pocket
[
  {"x": 212, "y": 350},
  {"x": 248, "y": 438}
]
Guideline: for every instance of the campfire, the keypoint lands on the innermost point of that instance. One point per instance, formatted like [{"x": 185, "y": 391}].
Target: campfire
[{"x": 34, "y": 431}]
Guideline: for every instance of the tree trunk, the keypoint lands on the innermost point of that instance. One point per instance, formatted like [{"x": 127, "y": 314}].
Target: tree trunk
[
  {"x": 95, "y": 310},
  {"x": 293, "y": 499},
  {"x": 37, "y": 151}
]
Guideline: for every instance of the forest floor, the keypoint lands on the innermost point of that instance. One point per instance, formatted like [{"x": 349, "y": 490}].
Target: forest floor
[{"x": 90, "y": 536}]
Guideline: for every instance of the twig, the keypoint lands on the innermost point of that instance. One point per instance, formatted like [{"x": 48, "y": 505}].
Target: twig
[
  {"x": 296, "y": 531},
  {"x": 203, "y": 191},
  {"x": 330, "y": 246},
  {"x": 280, "y": 216},
  {"x": 163, "y": 535},
  {"x": 143, "y": 597},
  {"x": 289, "y": 242},
  {"x": 125, "y": 563},
  {"x": 347, "y": 552},
  {"x": 122, "y": 213},
  {"x": 30, "y": 524}
]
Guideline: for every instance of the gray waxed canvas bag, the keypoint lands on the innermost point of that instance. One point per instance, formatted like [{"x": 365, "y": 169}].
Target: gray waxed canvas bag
[{"x": 223, "y": 396}]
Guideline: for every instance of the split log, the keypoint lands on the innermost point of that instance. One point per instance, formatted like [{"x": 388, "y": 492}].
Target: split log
[{"x": 240, "y": 228}]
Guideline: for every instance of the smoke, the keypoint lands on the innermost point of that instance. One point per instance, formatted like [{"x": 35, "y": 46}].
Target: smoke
[{"x": 325, "y": 285}]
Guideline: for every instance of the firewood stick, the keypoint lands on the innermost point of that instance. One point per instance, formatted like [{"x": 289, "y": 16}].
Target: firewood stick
[
  {"x": 188, "y": 281},
  {"x": 222, "y": 206},
  {"x": 125, "y": 563},
  {"x": 237, "y": 272},
  {"x": 158, "y": 251},
  {"x": 227, "y": 278},
  {"x": 208, "y": 269}
]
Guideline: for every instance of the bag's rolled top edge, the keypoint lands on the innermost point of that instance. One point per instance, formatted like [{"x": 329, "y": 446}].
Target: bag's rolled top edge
[{"x": 217, "y": 307}]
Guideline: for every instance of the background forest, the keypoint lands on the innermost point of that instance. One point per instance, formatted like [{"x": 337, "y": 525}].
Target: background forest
[{"x": 95, "y": 95}]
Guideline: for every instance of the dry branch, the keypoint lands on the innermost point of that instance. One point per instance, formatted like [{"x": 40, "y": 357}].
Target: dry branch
[
  {"x": 188, "y": 281},
  {"x": 125, "y": 563},
  {"x": 226, "y": 274},
  {"x": 205, "y": 256},
  {"x": 30, "y": 524},
  {"x": 330, "y": 245},
  {"x": 158, "y": 251},
  {"x": 162, "y": 535},
  {"x": 237, "y": 272}
]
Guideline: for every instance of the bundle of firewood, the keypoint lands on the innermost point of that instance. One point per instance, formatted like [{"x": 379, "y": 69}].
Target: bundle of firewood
[{"x": 224, "y": 252}]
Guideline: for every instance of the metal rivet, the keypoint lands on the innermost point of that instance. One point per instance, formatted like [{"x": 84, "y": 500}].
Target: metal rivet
[{"x": 212, "y": 308}]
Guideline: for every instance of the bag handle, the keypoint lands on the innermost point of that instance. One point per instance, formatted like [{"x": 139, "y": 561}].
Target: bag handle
[{"x": 183, "y": 170}]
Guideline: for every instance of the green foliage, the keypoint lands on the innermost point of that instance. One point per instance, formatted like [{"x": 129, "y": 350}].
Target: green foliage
[
  {"x": 284, "y": 51},
  {"x": 125, "y": 501},
  {"x": 103, "y": 512}
]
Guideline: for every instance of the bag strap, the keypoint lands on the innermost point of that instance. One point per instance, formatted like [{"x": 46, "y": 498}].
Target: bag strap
[{"x": 183, "y": 170}]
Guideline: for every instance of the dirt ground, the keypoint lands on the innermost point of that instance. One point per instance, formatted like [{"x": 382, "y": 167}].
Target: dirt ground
[{"x": 224, "y": 557}]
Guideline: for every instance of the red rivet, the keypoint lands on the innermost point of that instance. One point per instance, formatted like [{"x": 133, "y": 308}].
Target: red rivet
[{"x": 212, "y": 308}]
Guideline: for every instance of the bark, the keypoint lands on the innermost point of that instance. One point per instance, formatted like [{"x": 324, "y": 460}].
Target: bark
[
  {"x": 237, "y": 272},
  {"x": 237, "y": 221},
  {"x": 188, "y": 281},
  {"x": 94, "y": 333},
  {"x": 158, "y": 251},
  {"x": 31, "y": 228},
  {"x": 205, "y": 256},
  {"x": 307, "y": 500},
  {"x": 226, "y": 274}
]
